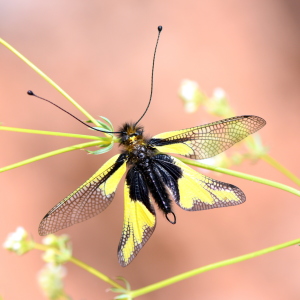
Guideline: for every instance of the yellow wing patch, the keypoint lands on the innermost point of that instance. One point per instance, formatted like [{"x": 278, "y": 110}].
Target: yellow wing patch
[
  {"x": 139, "y": 224},
  {"x": 180, "y": 148},
  {"x": 88, "y": 200},
  {"x": 109, "y": 186},
  {"x": 199, "y": 192},
  {"x": 168, "y": 134}
]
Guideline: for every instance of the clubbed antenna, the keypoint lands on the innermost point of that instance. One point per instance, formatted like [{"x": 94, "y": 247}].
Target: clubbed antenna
[
  {"x": 31, "y": 93},
  {"x": 159, "y": 31}
]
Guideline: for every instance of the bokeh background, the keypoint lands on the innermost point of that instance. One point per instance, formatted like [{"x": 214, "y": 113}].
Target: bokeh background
[{"x": 100, "y": 52}]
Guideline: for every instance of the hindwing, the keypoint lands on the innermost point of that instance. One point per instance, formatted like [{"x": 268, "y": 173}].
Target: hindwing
[
  {"x": 207, "y": 140},
  {"x": 200, "y": 192},
  {"x": 88, "y": 200},
  {"x": 139, "y": 217}
]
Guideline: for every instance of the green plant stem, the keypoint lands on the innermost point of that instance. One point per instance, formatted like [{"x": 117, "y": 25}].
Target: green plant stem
[
  {"x": 80, "y": 136},
  {"x": 172, "y": 280},
  {"x": 250, "y": 142},
  {"x": 52, "y": 153},
  {"x": 242, "y": 175},
  {"x": 84, "y": 266},
  {"x": 270, "y": 160},
  {"x": 50, "y": 81},
  {"x": 95, "y": 272}
]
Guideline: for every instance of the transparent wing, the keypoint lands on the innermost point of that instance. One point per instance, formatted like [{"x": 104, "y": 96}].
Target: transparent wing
[
  {"x": 199, "y": 192},
  {"x": 139, "y": 217},
  {"x": 207, "y": 140},
  {"x": 88, "y": 200}
]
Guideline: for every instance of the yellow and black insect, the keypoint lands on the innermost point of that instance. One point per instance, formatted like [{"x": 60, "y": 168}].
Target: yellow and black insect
[{"x": 154, "y": 176}]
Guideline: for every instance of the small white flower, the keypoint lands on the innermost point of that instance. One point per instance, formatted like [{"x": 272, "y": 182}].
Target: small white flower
[
  {"x": 219, "y": 93},
  {"x": 49, "y": 240},
  {"x": 191, "y": 95},
  {"x": 16, "y": 246},
  {"x": 14, "y": 238},
  {"x": 218, "y": 104},
  {"x": 8, "y": 244},
  {"x": 190, "y": 107},
  {"x": 188, "y": 89}
]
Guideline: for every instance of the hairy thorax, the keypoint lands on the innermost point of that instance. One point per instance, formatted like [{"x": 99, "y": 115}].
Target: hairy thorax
[{"x": 136, "y": 146}]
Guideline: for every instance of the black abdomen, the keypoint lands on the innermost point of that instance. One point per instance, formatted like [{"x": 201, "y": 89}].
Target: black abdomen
[{"x": 157, "y": 175}]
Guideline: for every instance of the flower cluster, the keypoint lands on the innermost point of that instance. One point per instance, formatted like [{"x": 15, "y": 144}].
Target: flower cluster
[
  {"x": 218, "y": 105},
  {"x": 57, "y": 250},
  {"x": 19, "y": 241},
  {"x": 193, "y": 97}
]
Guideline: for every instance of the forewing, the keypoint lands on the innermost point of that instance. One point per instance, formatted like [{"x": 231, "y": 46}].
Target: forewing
[
  {"x": 139, "y": 218},
  {"x": 88, "y": 200},
  {"x": 207, "y": 140},
  {"x": 199, "y": 192}
]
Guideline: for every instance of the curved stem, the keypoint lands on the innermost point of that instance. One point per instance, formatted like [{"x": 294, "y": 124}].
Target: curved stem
[
  {"x": 172, "y": 280},
  {"x": 52, "y": 153},
  {"x": 84, "y": 266},
  {"x": 270, "y": 160},
  {"x": 242, "y": 175},
  {"x": 50, "y": 81},
  {"x": 95, "y": 272}
]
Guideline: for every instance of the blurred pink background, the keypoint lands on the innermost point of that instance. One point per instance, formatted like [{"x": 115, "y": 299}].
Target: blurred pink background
[{"x": 100, "y": 52}]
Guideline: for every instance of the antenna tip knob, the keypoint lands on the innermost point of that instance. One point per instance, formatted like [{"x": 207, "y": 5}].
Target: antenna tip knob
[
  {"x": 159, "y": 28},
  {"x": 30, "y": 93}
]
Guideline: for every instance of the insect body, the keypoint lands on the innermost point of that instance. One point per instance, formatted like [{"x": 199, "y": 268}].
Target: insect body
[{"x": 153, "y": 174}]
